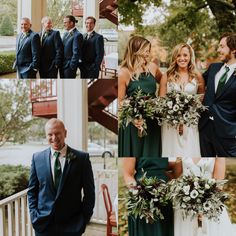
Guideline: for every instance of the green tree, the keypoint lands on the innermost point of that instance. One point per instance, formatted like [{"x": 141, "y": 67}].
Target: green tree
[
  {"x": 6, "y": 27},
  {"x": 131, "y": 12},
  {"x": 9, "y": 6},
  {"x": 15, "y": 110}
]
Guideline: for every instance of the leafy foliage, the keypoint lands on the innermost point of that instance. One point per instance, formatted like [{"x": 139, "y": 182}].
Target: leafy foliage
[
  {"x": 6, "y": 27},
  {"x": 15, "y": 111},
  {"x": 6, "y": 61},
  {"x": 131, "y": 12},
  {"x": 13, "y": 179}
]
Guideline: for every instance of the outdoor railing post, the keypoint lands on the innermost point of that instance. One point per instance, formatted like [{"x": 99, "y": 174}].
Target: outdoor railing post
[{"x": 2, "y": 220}]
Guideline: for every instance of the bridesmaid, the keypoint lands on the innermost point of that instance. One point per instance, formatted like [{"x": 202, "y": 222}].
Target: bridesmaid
[{"x": 137, "y": 72}]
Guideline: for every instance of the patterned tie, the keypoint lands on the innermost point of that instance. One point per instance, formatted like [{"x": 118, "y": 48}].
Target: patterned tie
[
  {"x": 65, "y": 36},
  {"x": 57, "y": 170},
  {"x": 222, "y": 80},
  {"x": 22, "y": 37}
]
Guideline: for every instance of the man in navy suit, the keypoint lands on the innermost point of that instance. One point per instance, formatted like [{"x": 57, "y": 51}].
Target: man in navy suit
[
  {"x": 51, "y": 50},
  {"x": 92, "y": 52},
  {"x": 27, "y": 51},
  {"x": 58, "y": 176},
  {"x": 218, "y": 124},
  {"x": 73, "y": 42}
]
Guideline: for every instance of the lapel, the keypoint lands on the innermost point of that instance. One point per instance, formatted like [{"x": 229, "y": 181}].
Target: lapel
[
  {"x": 24, "y": 41},
  {"x": 47, "y": 159},
  {"x": 226, "y": 86},
  {"x": 46, "y": 38},
  {"x": 65, "y": 173}
]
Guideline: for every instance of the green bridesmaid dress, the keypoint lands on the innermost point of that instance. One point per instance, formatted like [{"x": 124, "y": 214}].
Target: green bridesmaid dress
[
  {"x": 138, "y": 227},
  {"x": 130, "y": 145}
]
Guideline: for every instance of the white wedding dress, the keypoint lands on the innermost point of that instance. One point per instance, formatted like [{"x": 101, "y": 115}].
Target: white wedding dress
[
  {"x": 187, "y": 144},
  {"x": 188, "y": 227}
]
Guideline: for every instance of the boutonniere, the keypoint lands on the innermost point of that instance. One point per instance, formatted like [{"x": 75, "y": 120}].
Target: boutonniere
[
  {"x": 27, "y": 34},
  {"x": 71, "y": 33},
  {"x": 70, "y": 156}
]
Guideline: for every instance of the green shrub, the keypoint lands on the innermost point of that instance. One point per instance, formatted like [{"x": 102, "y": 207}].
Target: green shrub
[
  {"x": 6, "y": 62},
  {"x": 6, "y": 27},
  {"x": 13, "y": 179}
]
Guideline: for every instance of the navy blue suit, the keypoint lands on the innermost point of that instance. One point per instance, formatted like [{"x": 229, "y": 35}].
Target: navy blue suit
[
  {"x": 27, "y": 55},
  {"x": 72, "y": 54},
  {"x": 92, "y": 56},
  {"x": 62, "y": 212},
  {"x": 218, "y": 124},
  {"x": 51, "y": 54}
]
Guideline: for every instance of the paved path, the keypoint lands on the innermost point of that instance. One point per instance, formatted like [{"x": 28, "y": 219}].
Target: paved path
[{"x": 7, "y": 43}]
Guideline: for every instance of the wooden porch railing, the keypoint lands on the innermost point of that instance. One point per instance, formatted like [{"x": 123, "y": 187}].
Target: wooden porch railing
[{"x": 14, "y": 214}]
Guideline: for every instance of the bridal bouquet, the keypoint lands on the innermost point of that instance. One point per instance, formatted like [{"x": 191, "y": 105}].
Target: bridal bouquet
[
  {"x": 196, "y": 196},
  {"x": 146, "y": 199},
  {"x": 180, "y": 108},
  {"x": 139, "y": 107}
]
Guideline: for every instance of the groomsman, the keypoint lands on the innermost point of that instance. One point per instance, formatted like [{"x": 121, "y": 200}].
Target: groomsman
[
  {"x": 73, "y": 42},
  {"x": 51, "y": 50},
  {"x": 27, "y": 51},
  {"x": 218, "y": 124},
  {"x": 92, "y": 52}
]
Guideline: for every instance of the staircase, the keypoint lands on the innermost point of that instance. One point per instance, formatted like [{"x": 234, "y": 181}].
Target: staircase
[
  {"x": 102, "y": 106},
  {"x": 107, "y": 9},
  {"x": 101, "y": 94}
]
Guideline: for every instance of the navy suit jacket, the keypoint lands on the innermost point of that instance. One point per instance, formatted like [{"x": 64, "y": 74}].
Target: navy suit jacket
[
  {"x": 66, "y": 208},
  {"x": 27, "y": 54},
  {"x": 72, "y": 50},
  {"x": 51, "y": 54},
  {"x": 92, "y": 53},
  {"x": 221, "y": 107}
]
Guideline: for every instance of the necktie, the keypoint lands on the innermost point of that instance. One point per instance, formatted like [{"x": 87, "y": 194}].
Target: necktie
[
  {"x": 65, "y": 36},
  {"x": 57, "y": 170},
  {"x": 222, "y": 80},
  {"x": 22, "y": 37}
]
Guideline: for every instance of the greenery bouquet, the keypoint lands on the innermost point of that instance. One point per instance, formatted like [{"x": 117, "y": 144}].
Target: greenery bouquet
[
  {"x": 138, "y": 107},
  {"x": 146, "y": 199},
  {"x": 196, "y": 196},
  {"x": 180, "y": 108}
]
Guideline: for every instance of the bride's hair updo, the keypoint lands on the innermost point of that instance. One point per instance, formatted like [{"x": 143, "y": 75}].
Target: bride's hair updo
[
  {"x": 172, "y": 72},
  {"x": 134, "y": 57}
]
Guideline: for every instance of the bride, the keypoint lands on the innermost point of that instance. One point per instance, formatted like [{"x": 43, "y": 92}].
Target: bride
[
  {"x": 183, "y": 77},
  {"x": 213, "y": 168}
]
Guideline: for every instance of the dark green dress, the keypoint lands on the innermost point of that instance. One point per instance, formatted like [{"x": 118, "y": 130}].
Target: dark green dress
[
  {"x": 130, "y": 145},
  {"x": 154, "y": 167}
]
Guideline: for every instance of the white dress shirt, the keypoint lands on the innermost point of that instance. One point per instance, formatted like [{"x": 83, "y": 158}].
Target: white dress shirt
[
  {"x": 222, "y": 71},
  {"x": 62, "y": 159}
]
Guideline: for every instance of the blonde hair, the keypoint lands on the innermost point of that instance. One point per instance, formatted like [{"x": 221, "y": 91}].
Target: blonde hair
[
  {"x": 172, "y": 72},
  {"x": 134, "y": 56}
]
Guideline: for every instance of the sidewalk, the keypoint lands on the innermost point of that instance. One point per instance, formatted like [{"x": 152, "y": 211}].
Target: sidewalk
[{"x": 94, "y": 229}]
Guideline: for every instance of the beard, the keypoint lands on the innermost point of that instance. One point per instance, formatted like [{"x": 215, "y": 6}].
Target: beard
[{"x": 227, "y": 57}]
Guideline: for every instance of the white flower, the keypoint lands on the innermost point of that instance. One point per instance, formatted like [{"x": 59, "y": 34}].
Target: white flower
[
  {"x": 207, "y": 205},
  {"x": 186, "y": 189},
  {"x": 211, "y": 181},
  {"x": 170, "y": 104},
  {"x": 194, "y": 194},
  {"x": 176, "y": 107},
  {"x": 134, "y": 191},
  {"x": 196, "y": 185},
  {"x": 186, "y": 199},
  {"x": 207, "y": 186}
]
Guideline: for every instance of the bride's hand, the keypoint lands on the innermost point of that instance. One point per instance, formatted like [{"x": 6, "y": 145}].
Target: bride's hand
[
  {"x": 138, "y": 123},
  {"x": 181, "y": 129}
]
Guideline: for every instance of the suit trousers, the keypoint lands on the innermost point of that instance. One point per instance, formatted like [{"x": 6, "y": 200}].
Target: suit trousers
[
  {"x": 68, "y": 73},
  {"x": 212, "y": 145}
]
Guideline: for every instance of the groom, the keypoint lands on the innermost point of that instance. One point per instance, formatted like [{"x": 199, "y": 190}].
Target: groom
[
  {"x": 217, "y": 125},
  {"x": 58, "y": 176}
]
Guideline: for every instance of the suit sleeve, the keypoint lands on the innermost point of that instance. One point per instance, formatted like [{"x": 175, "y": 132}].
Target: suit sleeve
[
  {"x": 99, "y": 51},
  {"x": 88, "y": 189},
  {"x": 35, "y": 49},
  {"x": 59, "y": 49},
  {"x": 33, "y": 193},
  {"x": 77, "y": 50}
]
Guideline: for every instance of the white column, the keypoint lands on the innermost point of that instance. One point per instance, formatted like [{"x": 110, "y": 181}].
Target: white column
[
  {"x": 91, "y": 8},
  {"x": 33, "y": 9},
  {"x": 72, "y": 109}
]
